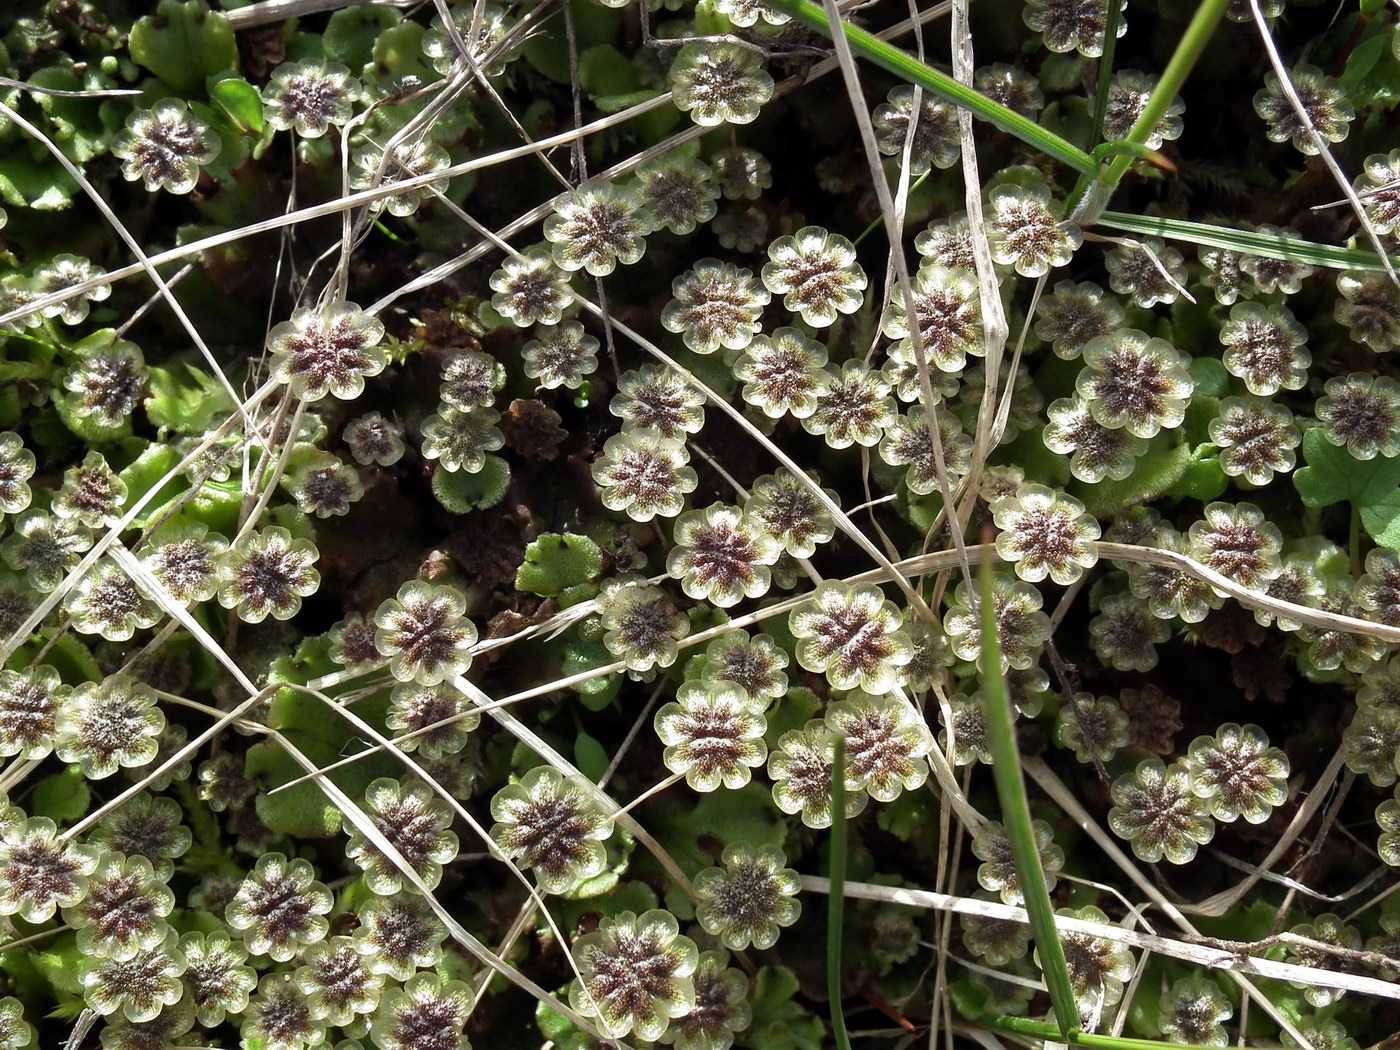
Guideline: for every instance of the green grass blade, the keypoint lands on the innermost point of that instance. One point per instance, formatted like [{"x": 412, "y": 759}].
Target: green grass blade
[
  {"x": 1045, "y": 1030},
  {"x": 1016, "y": 815},
  {"x": 1090, "y": 197},
  {"x": 836, "y": 896},
  {"x": 1110, "y": 48},
  {"x": 888, "y": 57},
  {"x": 1188, "y": 50},
  {"x": 1245, "y": 241}
]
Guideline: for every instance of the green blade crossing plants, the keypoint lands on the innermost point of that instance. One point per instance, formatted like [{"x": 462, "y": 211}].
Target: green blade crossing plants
[
  {"x": 945, "y": 87},
  {"x": 1193, "y": 42},
  {"x": 1045, "y": 1030},
  {"x": 1245, "y": 242},
  {"x": 1016, "y": 815},
  {"x": 1091, "y": 197}
]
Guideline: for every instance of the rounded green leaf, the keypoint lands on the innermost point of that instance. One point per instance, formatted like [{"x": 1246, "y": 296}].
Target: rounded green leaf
[
  {"x": 555, "y": 562},
  {"x": 183, "y": 43}
]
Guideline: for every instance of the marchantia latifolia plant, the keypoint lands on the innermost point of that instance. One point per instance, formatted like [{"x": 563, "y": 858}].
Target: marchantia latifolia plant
[{"x": 492, "y": 498}]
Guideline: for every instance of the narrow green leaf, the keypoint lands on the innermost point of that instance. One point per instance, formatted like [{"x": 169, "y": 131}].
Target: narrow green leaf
[
  {"x": 1016, "y": 816},
  {"x": 888, "y": 57},
  {"x": 1362, "y": 60},
  {"x": 1245, "y": 241},
  {"x": 617, "y": 103},
  {"x": 1193, "y": 42},
  {"x": 215, "y": 118},
  {"x": 1045, "y": 1030}
]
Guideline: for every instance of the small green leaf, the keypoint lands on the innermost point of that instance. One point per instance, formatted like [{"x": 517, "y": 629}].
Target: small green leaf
[
  {"x": 1381, "y": 519},
  {"x": 605, "y": 70},
  {"x": 398, "y": 52},
  {"x": 579, "y": 656},
  {"x": 351, "y": 32},
  {"x": 968, "y": 1000},
  {"x": 743, "y": 815},
  {"x": 186, "y": 400},
  {"x": 774, "y": 986},
  {"x": 1362, "y": 60},
  {"x": 147, "y": 471},
  {"x": 548, "y": 53},
  {"x": 60, "y": 964},
  {"x": 302, "y": 811},
  {"x": 461, "y": 492},
  {"x": 555, "y": 562},
  {"x": 215, "y": 504},
  {"x": 626, "y": 100},
  {"x": 908, "y": 817},
  {"x": 1060, "y": 73},
  {"x": 1203, "y": 480},
  {"x": 634, "y": 896},
  {"x": 1372, "y": 73},
  {"x": 241, "y": 101},
  {"x": 183, "y": 43},
  {"x": 62, "y": 797},
  {"x": 1210, "y": 375},
  {"x": 39, "y": 184},
  {"x": 553, "y": 1025},
  {"x": 76, "y": 124},
  {"x": 779, "y": 1023},
  {"x": 215, "y": 118},
  {"x": 590, "y": 757},
  {"x": 1332, "y": 474}
]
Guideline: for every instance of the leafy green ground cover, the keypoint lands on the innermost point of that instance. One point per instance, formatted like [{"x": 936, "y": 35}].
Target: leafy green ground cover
[{"x": 701, "y": 523}]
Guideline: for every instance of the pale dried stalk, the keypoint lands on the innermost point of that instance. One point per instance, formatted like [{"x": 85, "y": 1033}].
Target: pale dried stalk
[
  {"x": 1233, "y": 960},
  {"x": 1285, "y": 83},
  {"x": 923, "y": 564}
]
